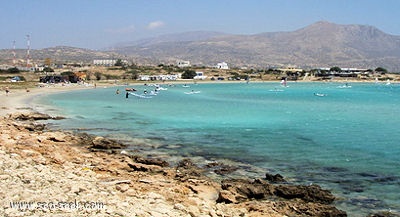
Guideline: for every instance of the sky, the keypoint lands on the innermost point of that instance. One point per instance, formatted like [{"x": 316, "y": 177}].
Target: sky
[{"x": 100, "y": 24}]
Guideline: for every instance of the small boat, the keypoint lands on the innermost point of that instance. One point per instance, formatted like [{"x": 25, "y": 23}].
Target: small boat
[
  {"x": 320, "y": 94},
  {"x": 345, "y": 86},
  {"x": 192, "y": 92},
  {"x": 130, "y": 89}
]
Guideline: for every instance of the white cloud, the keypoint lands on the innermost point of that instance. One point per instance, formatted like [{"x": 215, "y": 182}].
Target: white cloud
[
  {"x": 155, "y": 25},
  {"x": 126, "y": 29}
]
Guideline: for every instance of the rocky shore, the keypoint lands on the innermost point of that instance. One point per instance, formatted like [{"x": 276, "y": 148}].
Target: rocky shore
[{"x": 58, "y": 173}]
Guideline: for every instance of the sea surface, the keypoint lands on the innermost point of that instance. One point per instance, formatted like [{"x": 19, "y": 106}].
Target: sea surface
[{"x": 345, "y": 138}]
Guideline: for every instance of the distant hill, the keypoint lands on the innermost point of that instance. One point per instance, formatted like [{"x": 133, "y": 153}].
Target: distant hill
[
  {"x": 321, "y": 44},
  {"x": 181, "y": 37},
  {"x": 58, "y": 54}
]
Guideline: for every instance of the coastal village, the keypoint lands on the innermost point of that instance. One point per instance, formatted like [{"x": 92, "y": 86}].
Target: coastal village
[{"x": 118, "y": 70}]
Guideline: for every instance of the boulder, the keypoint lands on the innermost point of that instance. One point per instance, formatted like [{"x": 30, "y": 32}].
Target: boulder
[
  {"x": 105, "y": 144},
  {"x": 299, "y": 208},
  {"x": 221, "y": 169},
  {"x": 244, "y": 189},
  {"x": 311, "y": 193},
  {"x": 30, "y": 126},
  {"x": 277, "y": 178},
  {"x": 186, "y": 169},
  {"x": 33, "y": 116},
  {"x": 150, "y": 161}
]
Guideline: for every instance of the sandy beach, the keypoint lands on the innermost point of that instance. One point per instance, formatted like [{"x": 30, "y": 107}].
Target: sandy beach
[{"x": 57, "y": 173}]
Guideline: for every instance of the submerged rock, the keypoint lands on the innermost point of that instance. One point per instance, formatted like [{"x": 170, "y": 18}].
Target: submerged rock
[
  {"x": 274, "y": 178},
  {"x": 384, "y": 214},
  {"x": 221, "y": 169}
]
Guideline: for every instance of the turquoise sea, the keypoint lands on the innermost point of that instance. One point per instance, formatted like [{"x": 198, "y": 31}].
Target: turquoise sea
[{"x": 344, "y": 138}]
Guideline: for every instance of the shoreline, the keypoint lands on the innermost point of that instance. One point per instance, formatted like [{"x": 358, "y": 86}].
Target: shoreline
[
  {"x": 18, "y": 99},
  {"x": 67, "y": 164},
  {"x": 44, "y": 167},
  {"x": 28, "y": 98}
]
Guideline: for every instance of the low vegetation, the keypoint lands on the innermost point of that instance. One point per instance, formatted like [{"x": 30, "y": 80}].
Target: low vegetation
[{"x": 128, "y": 73}]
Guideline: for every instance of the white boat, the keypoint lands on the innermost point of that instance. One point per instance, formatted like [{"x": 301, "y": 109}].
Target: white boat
[
  {"x": 192, "y": 92},
  {"x": 345, "y": 86},
  {"x": 320, "y": 94}
]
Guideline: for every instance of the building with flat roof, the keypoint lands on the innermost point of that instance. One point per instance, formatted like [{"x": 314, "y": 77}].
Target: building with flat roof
[
  {"x": 183, "y": 63},
  {"x": 222, "y": 65},
  {"x": 105, "y": 62}
]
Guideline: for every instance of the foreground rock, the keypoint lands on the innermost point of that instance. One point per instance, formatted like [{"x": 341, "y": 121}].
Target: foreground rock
[
  {"x": 43, "y": 168},
  {"x": 310, "y": 200},
  {"x": 33, "y": 116},
  {"x": 104, "y": 143}
]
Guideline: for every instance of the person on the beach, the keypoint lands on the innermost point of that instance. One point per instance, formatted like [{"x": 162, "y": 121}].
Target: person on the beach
[{"x": 7, "y": 91}]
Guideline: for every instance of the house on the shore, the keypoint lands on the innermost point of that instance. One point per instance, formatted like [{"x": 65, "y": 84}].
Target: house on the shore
[
  {"x": 222, "y": 65},
  {"x": 183, "y": 63},
  {"x": 200, "y": 76}
]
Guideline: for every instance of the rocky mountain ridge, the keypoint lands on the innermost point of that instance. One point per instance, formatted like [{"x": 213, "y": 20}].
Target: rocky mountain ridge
[{"x": 322, "y": 44}]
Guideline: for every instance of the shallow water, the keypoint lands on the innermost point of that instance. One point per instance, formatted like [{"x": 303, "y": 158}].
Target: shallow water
[{"x": 346, "y": 140}]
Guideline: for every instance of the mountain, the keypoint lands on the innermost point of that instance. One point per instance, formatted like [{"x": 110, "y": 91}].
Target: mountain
[
  {"x": 322, "y": 44},
  {"x": 185, "y": 36}
]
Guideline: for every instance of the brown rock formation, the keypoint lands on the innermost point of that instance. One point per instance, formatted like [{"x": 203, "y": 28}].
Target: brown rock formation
[{"x": 40, "y": 165}]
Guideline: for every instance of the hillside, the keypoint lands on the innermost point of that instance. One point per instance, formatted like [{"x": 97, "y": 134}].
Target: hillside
[
  {"x": 60, "y": 54},
  {"x": 320, "y": 44}
]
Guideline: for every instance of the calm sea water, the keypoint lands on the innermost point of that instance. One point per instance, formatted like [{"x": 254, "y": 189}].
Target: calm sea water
[{"x": 346, "y": 139}]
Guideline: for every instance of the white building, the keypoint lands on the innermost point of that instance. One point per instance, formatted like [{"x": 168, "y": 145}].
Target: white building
[
  {"x": 104, "y": 62},
  {"x": 183, "y": 63},
  {"x": 158, "y": 77},
  {"x": 222, "y": 65},
  {"x": 200, "y": 76}
]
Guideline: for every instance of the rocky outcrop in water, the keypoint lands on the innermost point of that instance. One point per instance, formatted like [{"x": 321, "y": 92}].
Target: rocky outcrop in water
[
  {"x": 33, "y": 116},
  {"x": 308, "y": 200},
  {"x": 105, "y": 144},
  {"x": 277, "y": 178}
]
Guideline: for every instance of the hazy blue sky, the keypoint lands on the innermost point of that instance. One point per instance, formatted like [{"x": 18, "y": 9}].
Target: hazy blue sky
[{"x": 97, "y": 24}]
